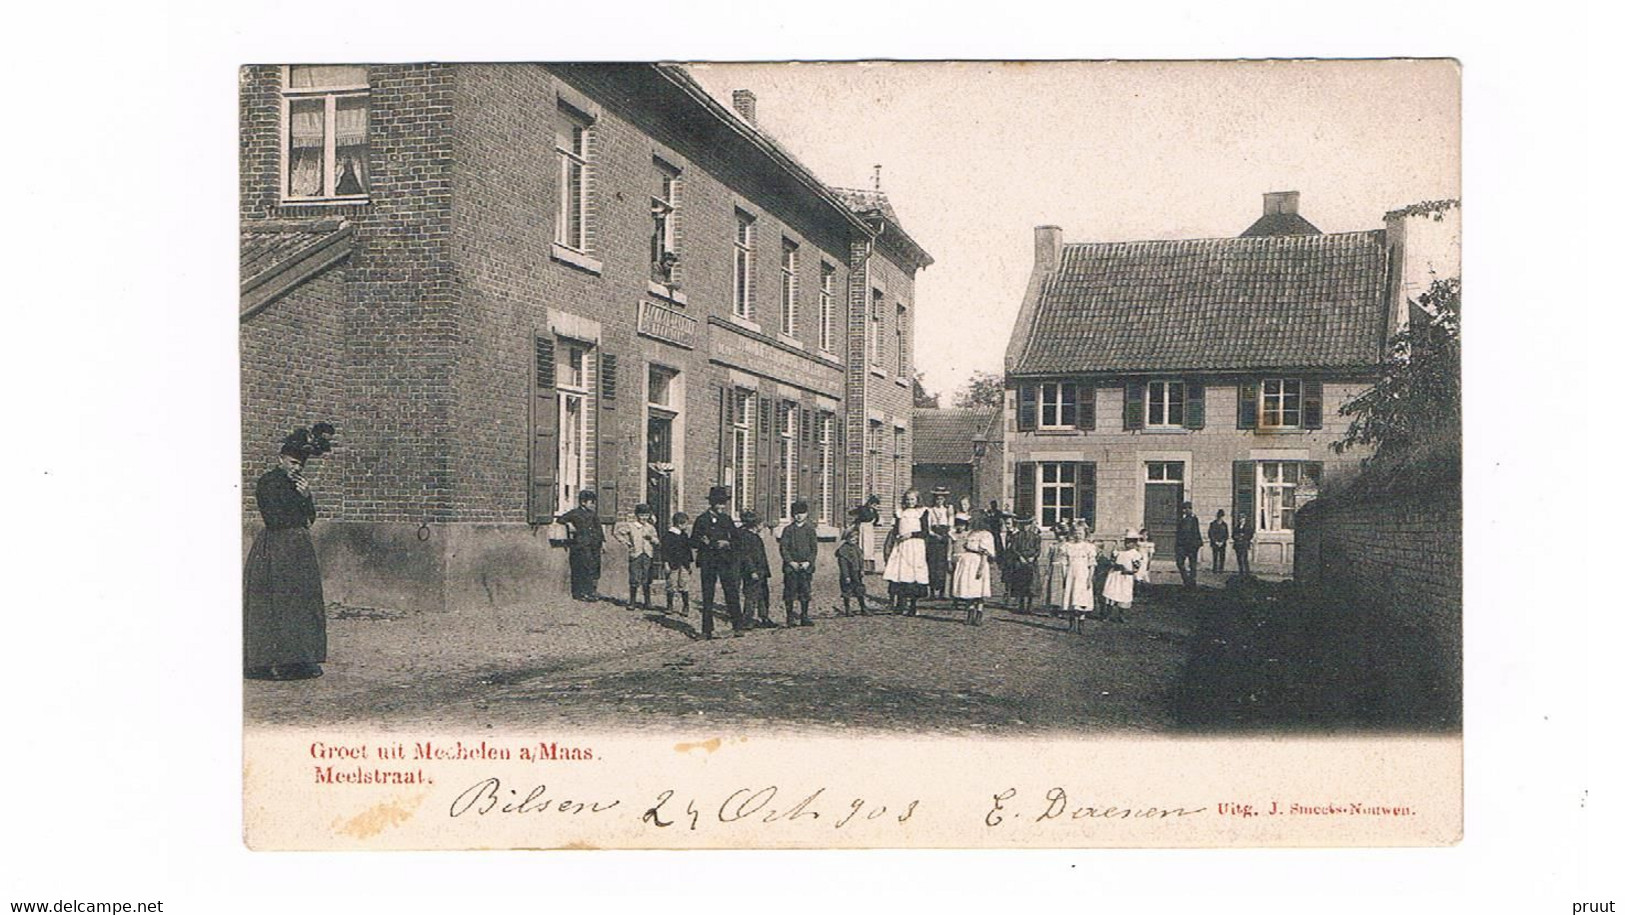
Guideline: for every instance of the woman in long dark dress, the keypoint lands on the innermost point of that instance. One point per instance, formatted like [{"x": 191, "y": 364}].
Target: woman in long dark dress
[{"x": 284, "y": 616}]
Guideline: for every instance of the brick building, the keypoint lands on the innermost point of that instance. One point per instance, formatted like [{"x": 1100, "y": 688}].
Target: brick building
[
  {"x": 1144, "y": 374},
  {"x": 509, "y": 283}
]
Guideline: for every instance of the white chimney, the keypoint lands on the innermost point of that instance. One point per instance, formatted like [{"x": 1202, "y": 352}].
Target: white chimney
[
  {"x": 1046, "y": 248},
  {"x": 1280, "y": 203}
]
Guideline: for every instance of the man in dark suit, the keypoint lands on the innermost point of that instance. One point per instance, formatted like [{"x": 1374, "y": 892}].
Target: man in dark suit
[
  {"x": 716, "y": 553},
  {"x": 1218, "y": 537},
  {"x": 586, "y": 546},
  {"x": 1243, "y": 539},
  {"x": 1188, "y": 545}
]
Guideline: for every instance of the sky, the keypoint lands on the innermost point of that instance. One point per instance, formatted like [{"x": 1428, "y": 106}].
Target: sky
[{"x": 974, "y": 155}]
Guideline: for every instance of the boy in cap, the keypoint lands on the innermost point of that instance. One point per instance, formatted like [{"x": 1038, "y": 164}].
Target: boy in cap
[
  {"x": 798, "y": 548},
  {"x": 849, "y": 561},
  {"x": 715, "y": 552},
  {"x": 586, "y": 546},
  {"x": 1021, "y": 576},
  {"x": 753, "y": 571},
  {"x": 642, "y": 541},
  {"x": 678, "y": 555}
]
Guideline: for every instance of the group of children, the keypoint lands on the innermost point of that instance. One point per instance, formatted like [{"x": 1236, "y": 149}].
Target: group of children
[{"x": 1068, "y": 581}]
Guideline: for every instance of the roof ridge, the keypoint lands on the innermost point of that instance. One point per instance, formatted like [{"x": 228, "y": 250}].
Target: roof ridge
[{"x": 1214, "y": 239}]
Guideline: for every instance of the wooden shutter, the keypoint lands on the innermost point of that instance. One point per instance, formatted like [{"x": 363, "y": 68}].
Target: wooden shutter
[
  {"x": 1244, "y": 488},
  {"x": 608, "y": 380},
  {"x": 767, "y": 440},
  {"x": 607, "y": 468},
  {"x": 1085, "y": 475},
  {"x": 1312, "y": 398},
  {"x": 725, "y": 404},
  {"x": 1026, "y": 408},
  {"x": 1247, "y": 405},
  {"x": 806, "y": 459},
  {"x": 1026, "y": 489},
  {"x": 1195, "y": 404},
  {"x": 1086, "y": 407},
  {"x": 1133, "y": 405},
  {"x": 544, "y": 439}
]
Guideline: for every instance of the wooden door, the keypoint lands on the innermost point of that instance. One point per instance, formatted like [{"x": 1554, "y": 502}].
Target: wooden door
[
  {"x": 660, "y": 480},
  {"x": 1161, "y": 514}
]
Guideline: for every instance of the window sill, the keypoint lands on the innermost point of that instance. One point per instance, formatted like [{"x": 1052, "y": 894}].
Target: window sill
[
  {"x": 746, "y": 323},
  {"x": 1166, "y": 430},
  {"x": 826, "y": 354},
  {"x": 328, "y": 202},
  {"x": 660, "y": 291},
  {"x": 901, "y": 381},
  {"x": 878, "y": 373},
  {"x": 788, "y": 340},
  {"x": 1064, "y": 432},
  {"x": 577, "y": 259},
  {"x": 1283, "y": 430}
]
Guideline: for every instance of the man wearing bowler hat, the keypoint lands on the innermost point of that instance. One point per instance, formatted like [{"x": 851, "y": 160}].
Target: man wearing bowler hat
[{"x": 716, "y": 552}]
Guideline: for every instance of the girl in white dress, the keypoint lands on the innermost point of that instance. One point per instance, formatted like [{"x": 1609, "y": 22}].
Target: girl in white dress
[
  {"x": 1119, "y": 592},
  {"x": 1148, "y": 549},
  {"x": 973, "y": 573},
  {"x": 907, "y": 575},
  {"x": 1078, "y": 582},
  {"x": 1055, "y": 566}
]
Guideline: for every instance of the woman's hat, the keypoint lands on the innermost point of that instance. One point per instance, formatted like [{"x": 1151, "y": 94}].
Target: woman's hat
[
  {"x": 642, "y": 508},
  {"x": 1131, "y": 534},
  {"x": 305, "y": 444},
  {"x": 962, "y": 517},
  {"x": 940, "y": 491},
  {"x": 719, "y": 494}
]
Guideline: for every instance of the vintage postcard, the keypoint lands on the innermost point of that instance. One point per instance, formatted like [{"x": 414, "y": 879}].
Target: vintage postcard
[{"x": 851, "y": 455}]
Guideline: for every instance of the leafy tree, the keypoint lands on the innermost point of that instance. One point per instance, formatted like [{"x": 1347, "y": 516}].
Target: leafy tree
[
  {"x": 923, "y": 400},
  {"x": 984, "y": 389},
  {"x": 1413, "y": 413}
]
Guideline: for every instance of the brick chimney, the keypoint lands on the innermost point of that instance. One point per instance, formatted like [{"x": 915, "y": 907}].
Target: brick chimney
[
  {"x": 1281, "y": 203},
  {"x": 1046, "y": 248},
  {"x": 745, "y": 104}
]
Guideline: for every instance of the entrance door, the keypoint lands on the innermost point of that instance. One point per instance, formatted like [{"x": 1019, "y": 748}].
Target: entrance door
[
  {"x": 660, "y": 468},
  {"x": 1164, "y": 491}
]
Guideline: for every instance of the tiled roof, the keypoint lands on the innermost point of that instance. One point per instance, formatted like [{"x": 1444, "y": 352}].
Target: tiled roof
[
  {"x": 1296, "y": 301},
  {"x": 1280, "y": 224},
  {"x": 863, "y": 201},
  {"x": 945, "y": 436},
  {"x": 270, "y": 243}
]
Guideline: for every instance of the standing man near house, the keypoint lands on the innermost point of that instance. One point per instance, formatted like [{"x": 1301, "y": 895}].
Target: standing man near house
[
  {"x": 1188, "y": 545},
  {"x": 1218, "y": 536},
  {"x": 714, "y": 539},
  {"x": 1243, "y": 538},
  {"x": 586, "y": 540}
]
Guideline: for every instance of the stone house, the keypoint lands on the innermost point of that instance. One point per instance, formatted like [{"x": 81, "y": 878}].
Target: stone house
[{"x": 1144, "y": 374}]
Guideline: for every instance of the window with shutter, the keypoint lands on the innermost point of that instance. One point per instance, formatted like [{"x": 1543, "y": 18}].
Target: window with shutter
[
  {"x": 725, "y": 424},
  {"x": 1312, "y": 396},
  {"x": 1026, "y": 488},
  {"x": 1247, "y": 405},
  {"x": 608, "y": 379},
  {"x": 544, "y": 448},
  {"x": 1133, "y": 405},
  {"x": 1244, "y": 477},
  {"x": 1086, "y": 492},
  {"x": 1195, "y": 404},
  {"x": 1086, "y": 407},
  {"x": 1026, "y": 408}
]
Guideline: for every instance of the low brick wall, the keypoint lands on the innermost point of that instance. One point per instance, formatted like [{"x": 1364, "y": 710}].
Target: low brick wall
[{"x": 1388, "y": 565}]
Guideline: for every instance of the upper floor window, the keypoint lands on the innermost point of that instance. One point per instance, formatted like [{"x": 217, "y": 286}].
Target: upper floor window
[
  {"x": 573, "y": 144},
  {"x": 877, "y": 327},
  {"x": 826, "y": 308},
  {"x": 1281, "y": 404},
  {"x": 663, "y": 203},
  {"x": 789, "y": 268},
  {"x": 744, "y": 264},
  {"x": 325, "y": 110},
  {"x": 1058, "y": 405},
  {"x": 1165, "y": 404}
]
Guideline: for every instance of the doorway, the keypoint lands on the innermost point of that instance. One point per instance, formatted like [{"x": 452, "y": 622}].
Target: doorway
[
  {"x": 1164, "y": 491},
  {"x": 660, "y": 466}
]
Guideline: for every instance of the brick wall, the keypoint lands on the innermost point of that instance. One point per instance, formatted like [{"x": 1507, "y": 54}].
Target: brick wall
[
  {"x": 1393, "y": 562},
  {"x": 398, "y": 312}
]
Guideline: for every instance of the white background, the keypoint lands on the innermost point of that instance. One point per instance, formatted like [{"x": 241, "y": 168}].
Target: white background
[{"x": 121, "y": 592}]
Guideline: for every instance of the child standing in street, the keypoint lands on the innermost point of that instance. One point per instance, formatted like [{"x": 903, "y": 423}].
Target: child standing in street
[
  {"x": 849, "y": 560},
  {"x": 798, "y": 549},
  {"x": 1021, "y": 571},
  {"x": 753, "y": 571},
  {"x": 973, "y": 571},
  {"x": 642, "y": 542},
  {"x": 1119, "y": 591},
  {"x": 678, "y": 554}
]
